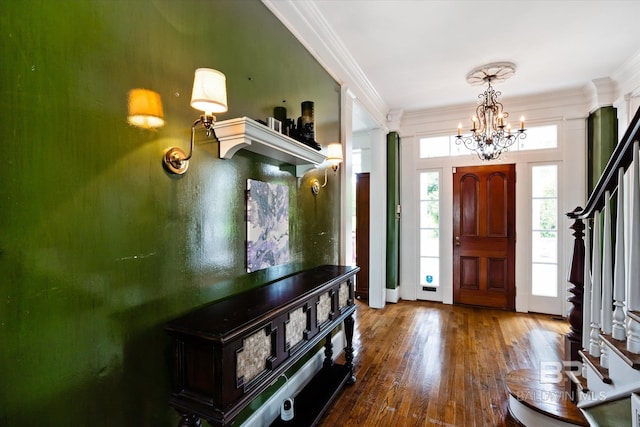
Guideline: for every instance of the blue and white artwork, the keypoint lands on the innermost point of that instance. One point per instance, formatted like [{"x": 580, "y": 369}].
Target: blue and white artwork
[{"x": 267, "y": 225}]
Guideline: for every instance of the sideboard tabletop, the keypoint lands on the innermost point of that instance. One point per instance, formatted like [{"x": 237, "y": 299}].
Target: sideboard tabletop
[{"x": 221, "y": 320}]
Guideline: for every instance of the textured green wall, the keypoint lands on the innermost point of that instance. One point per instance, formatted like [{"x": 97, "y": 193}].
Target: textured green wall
[{"x": 98, "y": 245}]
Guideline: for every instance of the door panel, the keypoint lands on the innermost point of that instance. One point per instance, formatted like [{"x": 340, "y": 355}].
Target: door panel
[
  {"x": 484, "y": 233},
  {"x": 470, "y": 273},
  {"x": 497, "y": 199},
  {"x": 497, "y": 274},
  {"x": 469, "y": 205}
]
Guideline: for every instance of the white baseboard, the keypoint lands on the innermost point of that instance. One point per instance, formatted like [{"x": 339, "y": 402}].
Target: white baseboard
[
  {"x": 393, "y": 295},
  {"x": 270, "y": 410}
]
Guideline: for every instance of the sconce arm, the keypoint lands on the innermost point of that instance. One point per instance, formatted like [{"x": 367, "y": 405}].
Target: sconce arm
[
  {"x": 325, "y": 178},
  {"x": 176, "y": 161},
  {"x": 193, "y": 137}
]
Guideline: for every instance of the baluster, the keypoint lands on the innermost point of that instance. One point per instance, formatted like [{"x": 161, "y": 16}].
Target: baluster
[
  {"x": 596, "y": 288},
  {"x": 606, "y": 316},
  {"x": 586, "y": 305},
  {"x": 619, "y": 330},
  {"x": 633, "y": 302}
]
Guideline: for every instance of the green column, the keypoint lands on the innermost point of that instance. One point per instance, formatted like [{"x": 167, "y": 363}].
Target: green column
[
  {"x": 602, "y": 138},
  {"x": 393, "y": 200}
]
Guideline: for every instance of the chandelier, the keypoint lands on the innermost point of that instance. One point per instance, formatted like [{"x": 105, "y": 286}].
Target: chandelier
[{"x": 490, "y": 131}]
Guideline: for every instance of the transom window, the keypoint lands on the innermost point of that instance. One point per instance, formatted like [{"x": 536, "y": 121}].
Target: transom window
[{"x": 538, "y": 138}]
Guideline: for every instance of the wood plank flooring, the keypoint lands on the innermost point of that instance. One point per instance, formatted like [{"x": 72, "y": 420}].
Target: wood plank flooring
[{"x": 420, "y": 363}]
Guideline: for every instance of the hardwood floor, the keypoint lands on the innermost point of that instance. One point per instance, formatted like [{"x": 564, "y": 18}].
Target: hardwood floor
[{"x": 419, "y": 363}]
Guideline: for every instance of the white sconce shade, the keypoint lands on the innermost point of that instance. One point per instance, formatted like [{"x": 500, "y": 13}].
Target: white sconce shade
[
  {"x": 145, "y": 109},
  {"x": 334, "y": 153},
  {"x": 209, "y": 91}
]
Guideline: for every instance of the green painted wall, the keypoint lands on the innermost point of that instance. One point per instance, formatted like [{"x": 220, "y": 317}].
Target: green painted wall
[
  {"x": 98, "y": 245},
  {"x": 602, "y": 134}
]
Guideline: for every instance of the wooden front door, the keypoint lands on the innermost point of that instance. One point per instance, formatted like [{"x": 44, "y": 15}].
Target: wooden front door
[{"x": 484, "y": 236}]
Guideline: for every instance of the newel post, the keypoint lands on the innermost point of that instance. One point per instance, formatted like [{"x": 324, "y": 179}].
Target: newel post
[{"x": 573, "y": 340}]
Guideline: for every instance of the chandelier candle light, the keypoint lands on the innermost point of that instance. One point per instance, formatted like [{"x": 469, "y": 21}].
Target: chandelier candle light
[{"x": 490, "y": 132}]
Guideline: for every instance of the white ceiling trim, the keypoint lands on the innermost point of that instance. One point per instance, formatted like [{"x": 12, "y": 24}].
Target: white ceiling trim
[
  {"x": 628, "y": 77},
  {"x": 309, "y": 26}
]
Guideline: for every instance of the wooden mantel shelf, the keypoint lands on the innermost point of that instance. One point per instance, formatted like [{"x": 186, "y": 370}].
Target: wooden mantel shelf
[{"x": 245, "y": 133}]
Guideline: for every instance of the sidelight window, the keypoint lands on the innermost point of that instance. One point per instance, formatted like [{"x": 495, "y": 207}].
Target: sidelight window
[
  {"x": 544, "y": 230},
  {"x": 430, "y": 229}
]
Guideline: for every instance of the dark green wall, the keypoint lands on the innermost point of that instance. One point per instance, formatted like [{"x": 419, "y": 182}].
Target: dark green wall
[
  {"x": 602, "y": 136},
  {"x": 98, "y": 245}
]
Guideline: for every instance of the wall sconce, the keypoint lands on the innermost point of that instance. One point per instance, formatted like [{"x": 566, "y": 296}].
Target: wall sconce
[
  {"x": 334, "y": 158},
  {"x": 209, "y": 95},
  {"x": 145, "y": 109}
]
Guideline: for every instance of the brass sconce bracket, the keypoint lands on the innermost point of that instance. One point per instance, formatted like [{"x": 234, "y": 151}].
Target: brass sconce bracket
[
  {"x": 315, "y": 184},
  {"x": 176, "y": 161},
  {"x": 315, "y": 187}
]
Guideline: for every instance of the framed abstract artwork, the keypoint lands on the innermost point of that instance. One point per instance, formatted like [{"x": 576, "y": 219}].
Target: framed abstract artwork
[{"x": 267, "y": 225}]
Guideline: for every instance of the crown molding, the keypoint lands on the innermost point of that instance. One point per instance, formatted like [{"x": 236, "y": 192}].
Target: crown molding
[
  {"x": 307, "y": 24},
  {"x": 566, "y": 104},
  {"x": 602, "y": 93},
  {"x": 627, "y": 77}
]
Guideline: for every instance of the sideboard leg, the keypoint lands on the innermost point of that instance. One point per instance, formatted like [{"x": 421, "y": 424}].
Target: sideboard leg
[
  {"x": 328, "y": 351},
  {"x": 189, "y": 420},
  {"x": 348, "y": 350}
]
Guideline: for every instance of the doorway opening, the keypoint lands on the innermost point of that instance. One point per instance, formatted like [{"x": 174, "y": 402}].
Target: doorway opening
[{"x": 366, "y": 150}]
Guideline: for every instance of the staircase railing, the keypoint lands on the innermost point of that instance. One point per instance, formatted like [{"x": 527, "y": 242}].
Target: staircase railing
[{"x": 605, "y": 291}]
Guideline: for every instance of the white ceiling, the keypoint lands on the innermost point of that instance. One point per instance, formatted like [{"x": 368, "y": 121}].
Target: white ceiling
[{"x": 415, "y": 54}]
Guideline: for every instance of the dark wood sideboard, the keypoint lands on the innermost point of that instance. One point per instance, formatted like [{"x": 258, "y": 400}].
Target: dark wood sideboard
[{"x": 228, "y": 352}]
